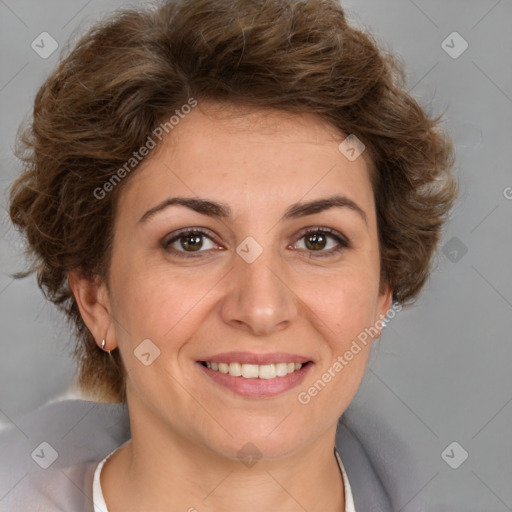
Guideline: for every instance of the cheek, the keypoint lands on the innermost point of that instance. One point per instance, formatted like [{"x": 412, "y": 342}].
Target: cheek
[
  {"x": 151, "y": 301},
  {"x": 343, "y": 314},
  {"x": 344, "y": 302},
  {"x": 156, "y": 302}
]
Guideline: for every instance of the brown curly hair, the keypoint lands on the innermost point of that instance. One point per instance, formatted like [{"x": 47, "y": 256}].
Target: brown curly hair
[{"x": 126, "y": 75}]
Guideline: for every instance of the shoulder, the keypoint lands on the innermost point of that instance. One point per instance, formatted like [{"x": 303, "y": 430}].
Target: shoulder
[
  {"x": 367, "y": 487},
  {"x": 382, "y": 469},
  {"x": 49, "y": 455}
]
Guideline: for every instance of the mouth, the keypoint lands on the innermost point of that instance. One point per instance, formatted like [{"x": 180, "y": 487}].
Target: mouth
[
  {"x": 244, "y": 376},
  {"x": 254, "y": 371}
]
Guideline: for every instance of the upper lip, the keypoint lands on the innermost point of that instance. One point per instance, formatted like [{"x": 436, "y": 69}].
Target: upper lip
[{"x": 254, "y": 358}]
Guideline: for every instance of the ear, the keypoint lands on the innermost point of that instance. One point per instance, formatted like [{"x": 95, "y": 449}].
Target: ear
[
  {"x": 384, "y": 302},
  {"x": 92, "y": 298}
]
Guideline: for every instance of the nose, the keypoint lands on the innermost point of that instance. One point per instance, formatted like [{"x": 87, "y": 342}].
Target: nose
[{"x": 259, "y": 300}]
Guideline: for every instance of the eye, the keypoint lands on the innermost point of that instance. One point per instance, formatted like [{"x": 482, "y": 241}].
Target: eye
[
  {"x": 189, "y": 240},
  {"x": 317, "y": 239}
]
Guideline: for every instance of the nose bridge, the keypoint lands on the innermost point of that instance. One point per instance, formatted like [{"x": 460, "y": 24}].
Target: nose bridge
[{"x": 259, "y": 299}]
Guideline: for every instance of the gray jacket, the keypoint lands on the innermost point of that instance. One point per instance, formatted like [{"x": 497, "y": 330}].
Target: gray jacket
[{"x": 47, "y": 459}]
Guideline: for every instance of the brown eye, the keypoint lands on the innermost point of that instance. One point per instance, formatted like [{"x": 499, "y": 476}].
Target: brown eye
[
  {"x": 189, "y": 241},
  {"x": 192, "y": 241},
  {"x": 317, "y": 240}
]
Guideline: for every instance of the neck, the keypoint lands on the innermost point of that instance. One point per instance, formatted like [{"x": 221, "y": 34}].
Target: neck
[{"x": 158, "y": 470}]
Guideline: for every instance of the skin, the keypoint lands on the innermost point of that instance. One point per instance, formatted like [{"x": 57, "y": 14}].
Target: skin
[{"x": 186, "y": 429}]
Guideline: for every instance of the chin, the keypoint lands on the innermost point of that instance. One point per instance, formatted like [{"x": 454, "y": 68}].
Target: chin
[{"x": 261, "y": 443}]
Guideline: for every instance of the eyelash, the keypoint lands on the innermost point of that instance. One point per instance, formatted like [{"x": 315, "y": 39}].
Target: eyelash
[{"x": 343, "y": 243}]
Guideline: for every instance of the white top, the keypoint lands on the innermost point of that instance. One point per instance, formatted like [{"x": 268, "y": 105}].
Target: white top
[{"x": 100, "y": 506}]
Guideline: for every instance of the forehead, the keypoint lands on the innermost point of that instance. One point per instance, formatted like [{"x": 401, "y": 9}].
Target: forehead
[{"x": 249, "y": 158}]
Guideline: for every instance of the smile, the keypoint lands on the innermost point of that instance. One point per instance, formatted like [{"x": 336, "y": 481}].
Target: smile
[
  {"x": 254, "y": 371},
  {"x": 256, "y": 376}
]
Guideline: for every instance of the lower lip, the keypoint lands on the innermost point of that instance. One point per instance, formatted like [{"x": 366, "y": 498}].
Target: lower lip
[{"x": 258, "y": 388}]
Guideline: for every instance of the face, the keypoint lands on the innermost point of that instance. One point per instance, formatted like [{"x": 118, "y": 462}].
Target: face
[{"x": 259, "y": 280}]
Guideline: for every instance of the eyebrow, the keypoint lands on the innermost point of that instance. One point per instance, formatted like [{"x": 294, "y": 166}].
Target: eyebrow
[{"x": 223, "y": 211}]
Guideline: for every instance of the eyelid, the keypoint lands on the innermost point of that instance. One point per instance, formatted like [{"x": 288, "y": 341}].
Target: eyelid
[
  {"x": 328, "y": 231},
  {"x": 341, "y": 240},
  {"x": 171, "y": 237}
]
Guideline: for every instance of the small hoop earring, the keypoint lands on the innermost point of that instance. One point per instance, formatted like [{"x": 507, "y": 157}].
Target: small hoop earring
[{"x": 103, "y": 343}]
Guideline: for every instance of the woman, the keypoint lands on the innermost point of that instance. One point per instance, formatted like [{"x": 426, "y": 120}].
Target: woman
[{"x": 227, "y": 198}]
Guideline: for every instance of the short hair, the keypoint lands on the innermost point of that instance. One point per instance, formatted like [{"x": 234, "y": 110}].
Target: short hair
[{"x": 132, "y": 70}]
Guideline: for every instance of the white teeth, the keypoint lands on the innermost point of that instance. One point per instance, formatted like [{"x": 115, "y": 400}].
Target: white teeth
[
  {"x": 250, "y": 371},
  {"x": 235, "y": 369},
  {"x": 267, "y": 371},
  {"x": 281, "y": 369},
  {"x": 254, "y": 371}
]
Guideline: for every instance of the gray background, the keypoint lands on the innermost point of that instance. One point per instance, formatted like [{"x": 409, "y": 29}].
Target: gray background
[{"x": 441, "y": 371}]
